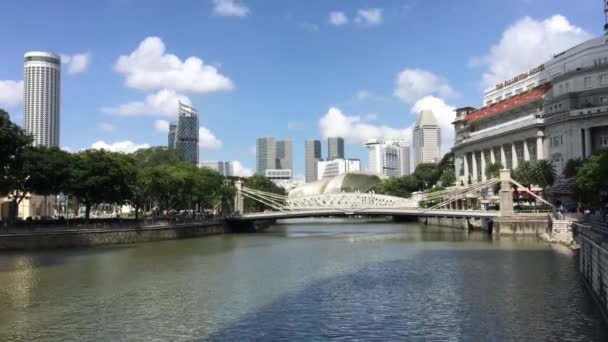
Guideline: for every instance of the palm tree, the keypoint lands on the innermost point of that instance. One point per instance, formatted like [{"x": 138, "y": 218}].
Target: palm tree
[
  {"x": 493, "y": 170},
  {"x": 524, "y": 174},
  {"x": 543, "y": 174}
]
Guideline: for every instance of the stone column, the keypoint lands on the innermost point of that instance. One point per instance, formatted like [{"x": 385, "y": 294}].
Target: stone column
[
  {"x": 474, "y": 162},
  {"x": 492, "y": 156},
  {"x": 503, "y": 156},
  {"x": 540, "y": 149},
  {"x": 514, "y": 162},
  {"x": 483, "y": 166},
  {"x": 506, "y": 195},
  {"x": 466, "y": 168},
  {"x": 587, "y": 142},
  {"x": 238, "y": 198},
  {"x": 526, "y": 151}
]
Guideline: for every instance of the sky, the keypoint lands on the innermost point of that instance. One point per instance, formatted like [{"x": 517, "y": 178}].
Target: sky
[{"x": 290, "y": 69}]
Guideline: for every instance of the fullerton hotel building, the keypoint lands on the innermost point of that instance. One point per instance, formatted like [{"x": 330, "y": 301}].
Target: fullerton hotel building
[{"x": 555, "y": 111}]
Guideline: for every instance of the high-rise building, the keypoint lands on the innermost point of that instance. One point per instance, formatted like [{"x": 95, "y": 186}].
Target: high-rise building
[
  {"x": 427, "y": 139},
  {"x": 335, "y": 148},
  {"x": 171, "y": 138},
  {"x": 186, "y": 133},
  {"x": 312, "y": 156},
  {"x": 332, "y": 168},
  {"x": 389, "y": 158},
  {"x": 224, "y": 168},
  {"x": 284, "y": 155},
  {"x": 41, "y": 97},
  {"x": 266, "y": 154}
]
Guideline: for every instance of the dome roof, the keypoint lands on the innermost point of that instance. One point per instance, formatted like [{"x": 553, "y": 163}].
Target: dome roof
[{"x": 346, "y": 182}]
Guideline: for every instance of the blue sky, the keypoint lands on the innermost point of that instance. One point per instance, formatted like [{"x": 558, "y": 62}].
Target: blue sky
[{"x": 290, "y": 68}]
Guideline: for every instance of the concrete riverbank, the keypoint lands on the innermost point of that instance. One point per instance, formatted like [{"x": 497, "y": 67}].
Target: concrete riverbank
[
  {"x": 104, "y": 236},
  {"x": 593, "y": 264}
]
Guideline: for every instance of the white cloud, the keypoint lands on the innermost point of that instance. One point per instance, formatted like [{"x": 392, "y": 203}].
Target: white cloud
[
  {"x": 163, "y": 102},
  {"x": 126, "y": 146},
  {"x": 526, "y": 44},
  {"x": 369, "y": 16},
  {"x": 207, "y": 140},
  {"x": 11, "y": 92},
  {"x": 338, "y": 18},
  {"x": 161, "y": 126},
  {"x": 412, "y": 84},
  {"x": 150, "y": 67},
  {"x": 444, "y": 114},
  {"x": 369, "y": 117},
  {"x": 239, "y": 170},
  {"x": 355, "y": 131},
  {"x": 76, "y": 63},
  {"x": 252, "y": 150},
  {"x": 106, "y": 127},
  {"x": 229, "y": 8}
]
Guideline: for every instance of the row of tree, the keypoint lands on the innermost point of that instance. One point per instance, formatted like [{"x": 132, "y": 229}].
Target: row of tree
[{"x": 591, "y": 177}]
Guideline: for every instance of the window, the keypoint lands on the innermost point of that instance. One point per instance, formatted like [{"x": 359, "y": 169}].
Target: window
[
  {"x": 603, "y": 79},
  {"x": 567, "y": 86},
  {"x": 507, "y": 95},
  {"x": 604, "y": 140},
  {"x": 519, "y": 91},
  {"x": 588, "y": 82},
  {"x": 604, "y": 100},
  {"x": 560, "y": 106},
  {"x": 561, "y": 88}
]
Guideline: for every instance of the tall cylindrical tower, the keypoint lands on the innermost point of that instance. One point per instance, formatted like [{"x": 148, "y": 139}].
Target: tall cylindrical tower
[{"x": 41, "y": 97}]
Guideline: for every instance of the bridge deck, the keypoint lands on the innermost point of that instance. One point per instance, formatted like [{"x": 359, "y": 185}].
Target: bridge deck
[{"x": 366, "y": 212}]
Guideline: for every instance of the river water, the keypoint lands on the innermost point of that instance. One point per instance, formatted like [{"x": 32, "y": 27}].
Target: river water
[{"x": 340, "y": 280}]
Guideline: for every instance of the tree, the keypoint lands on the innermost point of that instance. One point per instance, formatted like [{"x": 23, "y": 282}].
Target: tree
[
  {"x": 493, "y": 170},
  {"x": 543, "y": 173},
  {"x": 394, "y": 187},
  {"x": 427, "y": 173},
  {"x": 525, "y": 174},
  {"x": 48, "y": 170},
  {"x": 571, "y": 167},
  {"x": 99, "y": 176},
  {"x": 207, "y": 188},
  {"x": 148, "y": 157},
  {"x": 447, "y": 178},
  {"x": 261, "y": 183},
  {"x": 591, "y": 176}
]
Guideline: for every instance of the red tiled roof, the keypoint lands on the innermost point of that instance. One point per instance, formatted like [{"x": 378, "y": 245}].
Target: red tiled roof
[{"x": 508, "y": 104}]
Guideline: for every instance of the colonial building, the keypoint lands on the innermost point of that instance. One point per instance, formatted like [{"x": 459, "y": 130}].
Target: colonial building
[{"x": 556, "y": 111}]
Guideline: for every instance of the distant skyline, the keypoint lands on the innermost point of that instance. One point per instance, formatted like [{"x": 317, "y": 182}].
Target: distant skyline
[{"x": 291, "y": 69}]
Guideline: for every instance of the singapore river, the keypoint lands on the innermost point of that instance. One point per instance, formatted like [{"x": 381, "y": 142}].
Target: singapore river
[{"x": 340, "y": 280}]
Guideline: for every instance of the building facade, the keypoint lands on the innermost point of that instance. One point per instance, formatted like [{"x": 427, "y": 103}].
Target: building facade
[
  {"x": 41, "y": 97},
  {"x": 389, "y": 158},
  {"x": 335, "y": 148},
  {"x": 171, "y": 136},
  {"x": 186, "y": 133},
  {"x": 224, "y": 168},
  {"x": 266, "y": 154},
  {"x": 427, "y": 139},
  {"x": 284, "y": 158},
  {"x": 556, "y": 111},
  {"x": 331, "y": 168},
  {"x": 312, "y": 155}
]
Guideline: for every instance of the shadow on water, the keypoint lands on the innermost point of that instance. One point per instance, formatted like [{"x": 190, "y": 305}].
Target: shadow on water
[{"x": 443, "y": 295}]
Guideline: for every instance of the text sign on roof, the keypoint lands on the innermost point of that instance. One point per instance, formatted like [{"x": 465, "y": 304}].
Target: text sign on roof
[{"x": 521, "y": 77}]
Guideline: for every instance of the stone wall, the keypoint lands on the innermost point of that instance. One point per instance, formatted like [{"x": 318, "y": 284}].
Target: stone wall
[
  {"x": 68, "y": 239},
  {"x": 521, "y": 224},
  {"x": 593, "y": 266}
]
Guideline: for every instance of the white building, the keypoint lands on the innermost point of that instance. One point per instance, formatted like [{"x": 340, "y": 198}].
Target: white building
[
  {"x": 331, "y": 168},
  {"x": 555, "y": 111},
  {"x": 41, "y": 97},
  {"x": 427, "y": 139},
  {"x": 389, "y": 158},
  {"x": 224, "y": 168},
  {"x": 312, "y": 155}
]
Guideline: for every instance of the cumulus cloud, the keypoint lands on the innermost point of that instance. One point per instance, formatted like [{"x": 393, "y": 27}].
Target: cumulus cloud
[
  {"x": 369, "y": 16},
  {"x": 11, "y": 92},
  {"x": 240, "y": 170},
  {"x": 207, "y": 140},
  {"x": 106, "y": 127},
  {"x": 444, "y": 114},
  {"x": 163, "y": 102},
  {"x": 338, "y": 18},
  {"x": 354, "y": 130},
  {"x": 526, "y": 44},
  {"x": 161, "y": 126},
  {"x": 126, "y": 146},
  {"x": 229, "y": 8},
  {"x": 76, "y": 63},
  {"x": 149, "y": 67},
  {"x": 413, "y": 84}
]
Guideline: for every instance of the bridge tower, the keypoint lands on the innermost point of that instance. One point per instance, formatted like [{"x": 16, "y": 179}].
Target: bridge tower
[
  {"x": 506, "y": 194},
  {"x": 238, "y": 198}
]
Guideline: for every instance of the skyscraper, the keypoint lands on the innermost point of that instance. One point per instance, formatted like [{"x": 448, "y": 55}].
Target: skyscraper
[
  {"x": 224, "y": 168},
  {"x": 186, "y": 133},
  {"x": 284, "y": 155},
  {"x": 266, "y": 154},
  {"x": 171, "y": 138},
  {"x": 389, "y": 158},
  {"x": 427, "y": 139},
  {"x": 41, "y": 97},
  {"x": 335, "y": 148},
  {"x": 312, "y": 156}
]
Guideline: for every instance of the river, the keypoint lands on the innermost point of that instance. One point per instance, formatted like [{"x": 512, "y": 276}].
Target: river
[{"x": 341, "y": 280}]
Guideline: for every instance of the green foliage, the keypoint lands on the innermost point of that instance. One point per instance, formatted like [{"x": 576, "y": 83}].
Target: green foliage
[
  {"x": 153, "y": 156},
  {"x": 261, "y": 183},
  {"x": 493, "y": 170},
  {"x": 591, "y": 177},
  {"x": 538, "y": 172},
  {"x": 47, "y": 170},
  {"x": 399, "y": 187},
  {"x": 447, "y": 178},
  {"x": 427, "y": 173},
  {"x": 13, "y": 142},
  {"x": 571, "y": 167}
]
